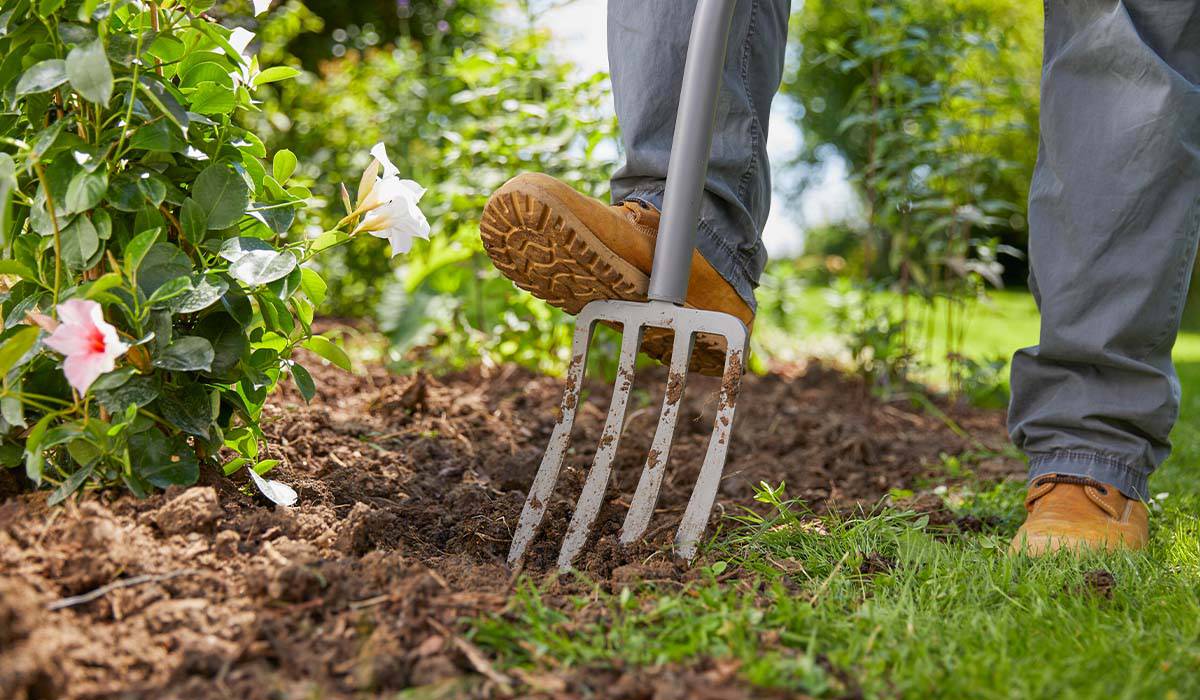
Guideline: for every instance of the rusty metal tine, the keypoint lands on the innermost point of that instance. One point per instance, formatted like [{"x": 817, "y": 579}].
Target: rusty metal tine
[
  {"x": 592, "y": 495},
  {"x": 547, "y": 475},
  {"x": 695, "y": 517},
  {"x": 646, "y": 495}
]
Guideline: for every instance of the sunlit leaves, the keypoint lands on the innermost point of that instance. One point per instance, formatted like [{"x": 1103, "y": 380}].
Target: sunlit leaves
[
  {"x": 42, "y": 76},
  {"x": 221, "y": 194},
  {"x": 90, "y": 75}
]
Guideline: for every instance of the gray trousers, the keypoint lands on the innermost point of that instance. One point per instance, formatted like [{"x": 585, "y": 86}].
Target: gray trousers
[{"x": 1114, "y": 207}]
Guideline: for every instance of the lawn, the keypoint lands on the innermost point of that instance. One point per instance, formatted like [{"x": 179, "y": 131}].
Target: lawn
[{"x": 885, "y": 605}]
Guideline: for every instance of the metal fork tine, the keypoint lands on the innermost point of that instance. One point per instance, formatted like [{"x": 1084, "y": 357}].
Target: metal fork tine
[
  {"x": 547, "y": 475},
  {"x": 695, "y": 517},
  {"x": 646, "y": 495},
  {"x": 592, "y": 495}
]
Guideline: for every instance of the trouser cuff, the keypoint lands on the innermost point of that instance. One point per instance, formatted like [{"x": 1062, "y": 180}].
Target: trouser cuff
[
  {"x": 1129, "y": 480},
  {"x": 730, "y": 263}
]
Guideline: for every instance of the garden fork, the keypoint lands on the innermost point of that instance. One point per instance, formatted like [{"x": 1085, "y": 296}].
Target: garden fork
[{"x": 664, "y": 309}]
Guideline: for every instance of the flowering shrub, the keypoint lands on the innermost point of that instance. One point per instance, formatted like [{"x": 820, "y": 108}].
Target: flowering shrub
[{"x": 152, "y": 295}]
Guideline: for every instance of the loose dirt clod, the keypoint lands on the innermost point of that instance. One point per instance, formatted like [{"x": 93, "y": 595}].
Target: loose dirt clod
[
  {"x": 192, "y": 510},
  {"x": 409, "y": 489}
]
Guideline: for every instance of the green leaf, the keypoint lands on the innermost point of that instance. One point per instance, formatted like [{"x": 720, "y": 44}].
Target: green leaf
[
  {"x": 86, "y": 190},
  {"x": 205, "y": 291},
  {"x": 42, "y": 76},
  {"x": 70, "y": 486},
  {"x": 8, "y": 183},
  {"x": 188, "y": 409},
  {"x": 16, "y": 346},
  {"x": 102, "y": 220},
  {"x": 12, "y": 267},
  {"x": 212, "y": 98},
  {"x": 327, "y": 349},
  {"x": 283, "y": 165},
  {"x": 79, "y": 243},
  {"x": 89, "y": 72},
  {"x": 275, "y": 74},
  {"x": 156, "y": 136},
  {"x": 313, "y": 284},
  {"x": 105, "y": 283},
  {"x": 165, "y": 101},
  {"x": 304, "y": 382},
  {"x": 222, "y": 195},
  {"x": 114, "y": 379},
  {"x": 186, "y": 353},
  {"x": 228, "y": 341},
  {"x": 163, "y": 461},
  {"x": 235, "y": 249},
  {"x": 169, "y": 290},
  {"x": 49, "y": 7},
  {"x": 262, "y": 266},
  {"x": 33, "y": 448},
  {"x": 194, "y": 220},
  {"x": 137, "y": 391},
  {"x": 163, "y": 263},
  {"x": 135, "y": 250}
]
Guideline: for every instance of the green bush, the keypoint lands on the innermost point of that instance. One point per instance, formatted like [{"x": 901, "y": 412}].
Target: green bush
[
  {"x": 933, "y": 107},
  {"x": 146, "y": 239},
  {"x": 467, "y": 120}
]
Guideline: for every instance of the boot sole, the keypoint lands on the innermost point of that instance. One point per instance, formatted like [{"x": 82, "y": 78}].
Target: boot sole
[{"x": 553, "y": 256}]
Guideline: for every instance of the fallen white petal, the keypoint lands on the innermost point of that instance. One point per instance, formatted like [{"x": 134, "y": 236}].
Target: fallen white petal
[
  {"x": 261, "y": 6},
  {"x": 276, "y": 491}
]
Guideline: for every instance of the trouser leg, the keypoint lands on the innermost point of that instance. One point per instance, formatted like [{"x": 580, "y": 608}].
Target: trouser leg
[
  {"x": 1114, "y": 214},
  {"x": 647, "y": 45}
]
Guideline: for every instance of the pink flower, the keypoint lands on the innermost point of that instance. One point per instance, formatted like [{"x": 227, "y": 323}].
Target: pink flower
[{"x": 89, "y": 343}]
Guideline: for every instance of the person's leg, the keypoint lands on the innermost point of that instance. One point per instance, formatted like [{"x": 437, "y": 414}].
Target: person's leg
[
  {"x": 1114, "y": 215},
  {"x": 647, "y": 44}
]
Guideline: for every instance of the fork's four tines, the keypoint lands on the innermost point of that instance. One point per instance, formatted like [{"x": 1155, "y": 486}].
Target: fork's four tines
[{"x": 634, "y": 318}]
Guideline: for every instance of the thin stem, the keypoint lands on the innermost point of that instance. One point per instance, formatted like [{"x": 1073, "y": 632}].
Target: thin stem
[
  {"x": 137, "y": 65},
  {"x": 41, "y": 173}
]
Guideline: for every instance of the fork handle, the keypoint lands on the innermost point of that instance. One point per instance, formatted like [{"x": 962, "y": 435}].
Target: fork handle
[{"x": 690, "y": 149}]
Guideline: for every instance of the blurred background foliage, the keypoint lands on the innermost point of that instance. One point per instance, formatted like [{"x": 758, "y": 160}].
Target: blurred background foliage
[
  {"x": 465, "y": 99},
  {"x": 930, "y": 106}
]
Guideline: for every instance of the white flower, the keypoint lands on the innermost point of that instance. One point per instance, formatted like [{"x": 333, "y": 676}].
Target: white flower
[
  {"x": 261, "y": 6},
  {"x": 389, "y": 205}
]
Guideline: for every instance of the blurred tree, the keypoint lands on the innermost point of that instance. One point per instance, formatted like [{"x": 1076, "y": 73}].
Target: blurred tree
[
  {"x": 883, "y": 85},
  {"x": 435, "y": 27},
  {"x": 933, "y": 106}
]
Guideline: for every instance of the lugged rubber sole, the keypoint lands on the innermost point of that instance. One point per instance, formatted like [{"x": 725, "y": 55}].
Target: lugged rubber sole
[{"x": 553, "y": 256}]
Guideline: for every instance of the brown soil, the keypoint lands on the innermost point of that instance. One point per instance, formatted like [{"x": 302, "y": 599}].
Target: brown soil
[{"x": 409, "y": 490}]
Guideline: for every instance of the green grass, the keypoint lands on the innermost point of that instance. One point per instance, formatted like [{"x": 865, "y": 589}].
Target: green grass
[
  {"x": 1004, "y": 322},
  {"x": 945, "y": 615}
]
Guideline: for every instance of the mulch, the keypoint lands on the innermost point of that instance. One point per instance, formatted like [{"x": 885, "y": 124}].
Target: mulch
[{"x": 409, "y": 490}]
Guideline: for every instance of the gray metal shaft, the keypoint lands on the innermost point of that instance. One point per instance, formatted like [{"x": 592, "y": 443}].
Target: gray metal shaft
[{"x": 690, "y": 149}]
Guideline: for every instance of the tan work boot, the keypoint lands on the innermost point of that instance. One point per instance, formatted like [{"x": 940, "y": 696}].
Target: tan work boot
[
  {"x": 570, "y": 249},
  {"x": 1076, "y": 513}
]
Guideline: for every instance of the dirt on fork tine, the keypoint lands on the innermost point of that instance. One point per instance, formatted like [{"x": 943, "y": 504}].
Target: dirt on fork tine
[{"x": 409, "y": 488}]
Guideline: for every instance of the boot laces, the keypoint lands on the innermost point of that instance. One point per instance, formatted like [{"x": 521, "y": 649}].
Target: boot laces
[{"x": 1072, "y": 480}]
